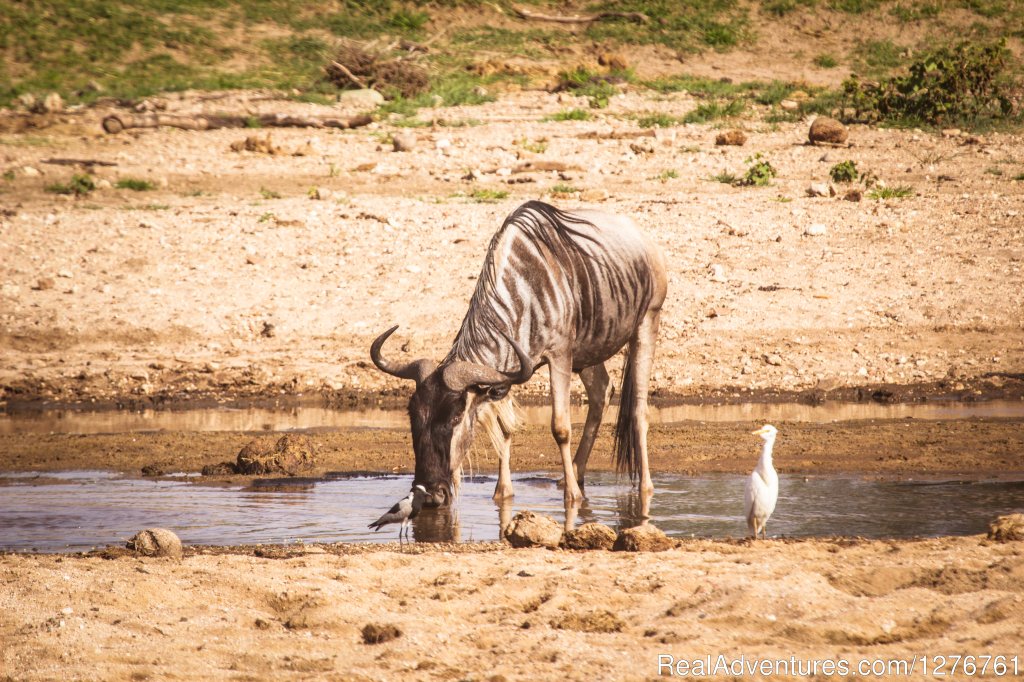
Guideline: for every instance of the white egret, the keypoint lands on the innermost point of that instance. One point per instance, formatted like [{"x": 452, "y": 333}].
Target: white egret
[{"x": 762, "y": 491}]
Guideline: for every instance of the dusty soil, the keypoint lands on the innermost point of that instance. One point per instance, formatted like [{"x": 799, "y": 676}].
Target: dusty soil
[
  {"x": 493, "y": 613},
  {"x": 229, "y": 281},
  {"x": 889, "y": 448}
]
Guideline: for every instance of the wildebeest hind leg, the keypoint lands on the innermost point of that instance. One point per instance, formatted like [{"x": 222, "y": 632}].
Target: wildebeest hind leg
[{"x": 646, "y": 336}]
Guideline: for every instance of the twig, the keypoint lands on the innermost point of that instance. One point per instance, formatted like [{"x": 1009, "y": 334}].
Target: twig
[
  {"x": 348, "y": 74},
  {"x": 638, "y": 17},
  {"x": 78, "y": 162}
]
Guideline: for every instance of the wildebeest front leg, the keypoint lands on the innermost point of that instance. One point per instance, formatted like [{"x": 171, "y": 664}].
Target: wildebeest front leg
[
  {"x": 503, "y": 489},
  {"x": 561, "y": 426},
  {"x": 595, "y": 381}
]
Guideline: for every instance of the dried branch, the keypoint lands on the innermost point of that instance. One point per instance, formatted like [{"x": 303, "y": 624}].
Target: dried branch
[
  {"x": 348, "y": 74},
  {"x": 523, "y": 13}
]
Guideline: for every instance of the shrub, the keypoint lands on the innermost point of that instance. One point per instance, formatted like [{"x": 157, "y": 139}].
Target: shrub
[
  {"x": 135, "y": 184},
  {"x": 79, "y": 185},
  {"x": 845, "y": 171},
  {"x": 759, "y": 173}
]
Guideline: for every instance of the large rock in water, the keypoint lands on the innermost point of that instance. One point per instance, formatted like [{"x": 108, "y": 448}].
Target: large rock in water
[
  {"x": 589, "y": 536},
  {"x": 533, "y": 530},
  {"x": 156, "y": 542},
  {"x": 290, "y": 454},
  {"x": 828, "y": 130},
  {"x": 643, "y": 539},
  {"x": 1007, "y": 528}
]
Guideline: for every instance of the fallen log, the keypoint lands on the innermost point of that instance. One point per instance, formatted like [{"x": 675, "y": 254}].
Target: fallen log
[
  {"x": 78, "y": 162},
  {"x": 115, "y": 123},
  {"x": 542, "y": 166}
]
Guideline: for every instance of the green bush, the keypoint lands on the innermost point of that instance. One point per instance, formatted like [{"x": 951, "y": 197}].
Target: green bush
[
  {"x": 79, "y": 185},
  {"x": 135, "y": 184},
  {"x": 845, "y": 171},
  {"x": 595, "y": 87},
  {"x": 964, "y": 85},
  {"x": 759, "y": 173}
]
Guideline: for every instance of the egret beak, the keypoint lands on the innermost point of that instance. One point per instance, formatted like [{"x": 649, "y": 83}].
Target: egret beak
[{"x": 760, "y": 432}]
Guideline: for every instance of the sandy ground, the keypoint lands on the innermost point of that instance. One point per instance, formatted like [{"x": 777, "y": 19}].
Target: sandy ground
[
  {"x": 488, "y": 613},
  {"x": 211, "y": 285},
  {"x": 229, "y": 281}
]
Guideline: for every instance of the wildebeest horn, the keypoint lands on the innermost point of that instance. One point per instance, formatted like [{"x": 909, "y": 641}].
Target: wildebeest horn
[
  {"x": 459, "y": 376},
  {"x": 417, "y": 370}
]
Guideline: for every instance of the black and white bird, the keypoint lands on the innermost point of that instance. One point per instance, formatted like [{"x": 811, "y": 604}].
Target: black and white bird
[{"x": 403, "y": 512}]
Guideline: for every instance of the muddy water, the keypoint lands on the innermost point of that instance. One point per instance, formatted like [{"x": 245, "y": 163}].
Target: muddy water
[
  {"x": 81, "y": 510},
  {"x": 320, "y": 418}
]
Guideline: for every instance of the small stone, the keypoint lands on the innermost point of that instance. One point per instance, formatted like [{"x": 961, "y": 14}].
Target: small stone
[
  {"x": 268, "y": 331},
  {"x": 735, "y": 138},
  {"x": 642, "y": 539},
  {"x": 821, "y": 189},
  {"x": 53, "y": 104},
  {"x": 290, "y": 454},
  {"x": 854, "y": 194},
  {"x": 374, "y": 633},
  {"x": 615, "y": 61},
  {"x": 717, "y": 272},
  {"x": 828, "y": 130},
  {"x": 594, "y": 195},
  {"x": 103, "y": 183},
  {"x": 253, "y": 259},
  {"x": 30, "y": 172},
  {"x": 66, "y": 274},
  {"x": 815, "y": 230},
  {"x": 156, "y": 542},
  {"x": 320, "y": 194},
  {"x": 952, "y": 132},
  {"x": 27, "y": 101},
  {"x": 789, "y": 105},
  {"x": 533, "y": 530},
  {"x": 773, "y": 359},
  {"x": 589, "y": 536},
  {"x": 363, "y": 99},
  {"x": 45, "y": 284},
  {"x": 404, "y": 142},
  {"x": 442, "y": 143}
]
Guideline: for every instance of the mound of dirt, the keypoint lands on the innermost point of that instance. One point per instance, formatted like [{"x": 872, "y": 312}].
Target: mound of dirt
[
  {"x": 642, "y": 539},
  {"x": 827, "y": 130},
  {"x": 374, "y": 633},
  {"x": 156, "y": 542},
  {"x": 533, "y": 530},
  {"x": 1007, "y": 528},
  {"x": 589, "y": 536},
  {"x": 594, "y": 621},
  {"x": 290, "y": 454}
]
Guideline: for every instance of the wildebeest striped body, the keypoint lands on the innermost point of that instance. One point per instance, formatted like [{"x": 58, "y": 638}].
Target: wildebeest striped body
[{"x": 564, "y": 289}]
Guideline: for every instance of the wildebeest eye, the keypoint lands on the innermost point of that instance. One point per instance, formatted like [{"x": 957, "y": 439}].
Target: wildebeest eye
[{"x": 497, "y": 392}]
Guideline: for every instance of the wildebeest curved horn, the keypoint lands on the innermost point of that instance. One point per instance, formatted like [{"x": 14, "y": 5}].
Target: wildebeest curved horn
[
  {"x": 417, "y": 370},
  {"x": 459, "y": 376}
]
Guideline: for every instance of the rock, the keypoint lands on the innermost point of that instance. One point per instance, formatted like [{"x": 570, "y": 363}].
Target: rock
[
  {"x": 377, "y": 634},
  {"x": 614, "y": 61},
  {"x": 735, "y": 138},
  {"x": 27, "y": 101},
  {"x": 103, "y": 183},
  {"x": 222, "y": 469},
  {"x": 853, "y": 195},
  {"x": 773, "y": 359},
  {"x": 52, "y": 104},
  {"x": 717, "y": 272},
  {"x": 156, "y": 542},
  {"x": 320, "y": 194},
  {"x": 152, "y": 470},
  {"x": 1007, "y": 528},
  {"x": 45, "y": 284},
  {"x": 641, "y": 148},
  {"x": 589, "y": 536},
  {"x": 30, "y": 172},
  {"x": 404, "y": 142},
  {"x": 363, "y": 99},
  {"x": 815, "y": 230},
  {"x": 828, "y": 130},
  {"x": 821, "y": 189},
  {"x": 533, "y": 530},
  {"x": 253, "y": 143},
  {"x": 268, "y": 331},
  {"x": 789, "y": 105},
  {"x": 642, "y": 539},
  {"x": 290, "y": 454},
  {"x": 799, "y": 96},
  {"x": 305, "y": 149},
  {"x": 952, "y": 132}
]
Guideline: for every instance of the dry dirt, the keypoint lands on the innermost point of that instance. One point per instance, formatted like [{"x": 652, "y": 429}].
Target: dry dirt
[
  {"x": 493, "y": 613},
  {"x": 229, "y": 282}
]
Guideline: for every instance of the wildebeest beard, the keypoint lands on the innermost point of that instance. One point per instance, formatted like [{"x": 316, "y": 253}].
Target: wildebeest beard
[{"x": 442, "y": 433}]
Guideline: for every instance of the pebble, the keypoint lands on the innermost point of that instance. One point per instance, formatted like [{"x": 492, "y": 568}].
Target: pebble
[
  {"x": 30, "y": 172},
  {"x": 815, "y": 230},
  {"x": 717, "y": 273},
  {"x": 821, "y": 189},
  {"x": 403, "y": 142},
  {"x": 66, "y": 274}
]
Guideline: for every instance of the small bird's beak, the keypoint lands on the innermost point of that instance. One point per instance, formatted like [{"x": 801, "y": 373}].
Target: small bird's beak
[{"x": 760, "y": 432}]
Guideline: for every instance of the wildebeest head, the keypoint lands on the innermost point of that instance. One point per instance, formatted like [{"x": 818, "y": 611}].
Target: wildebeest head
[{"x": 443, "y": 411}]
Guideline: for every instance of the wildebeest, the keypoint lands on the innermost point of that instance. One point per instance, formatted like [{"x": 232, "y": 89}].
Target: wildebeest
[{"x": 564, "y": 289}]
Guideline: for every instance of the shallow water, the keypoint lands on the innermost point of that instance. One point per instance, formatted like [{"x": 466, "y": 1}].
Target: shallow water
[
  {"x": 84, "y": 509},
  {"x": 314, "y": 417}
]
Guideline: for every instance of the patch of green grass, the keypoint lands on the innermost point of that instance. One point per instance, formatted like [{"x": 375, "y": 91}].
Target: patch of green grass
[
  {"x": 534, "y": 43},
  {"x": 759, "y": 173},
  {"x": 683, "y": 26},
  {"x": 25, "y": 140},
  {"x": 774, "y": 92},
  {"x": 668, "y": 174},
  {"x": 826, "y": 61},
  {"x": 488, "y": 196},
  {"x": 915, "y": 11},
  {"x": 564, "y": 188},
  {"x": 1019, "y": 177},
  {"x": 781, "y": 8},
  {"x": 895, "y": 192},
  {"x": 725, "y": 178},
  {"x": 844, "y": 171},
  {"x": 569, "y": 115},
  {"x": 993, "y": 170},
  {"x": 854, "y": 6},
  {"x": 269, "y": 193},
  {"x": 79, "y": 185},
  {"x": 878, "y": 57},
  {"x": 597, "y": 88},
  {"x": 711, "y": 111},
  {"x": 657, "y": 120},
  {"x": 700, "y": 87},
  {"x": 266, "y": 217},
  {"x": 538, "y": 146},
  {"x": 9, "y": 175},
  {"x": 135, "y": 184}
]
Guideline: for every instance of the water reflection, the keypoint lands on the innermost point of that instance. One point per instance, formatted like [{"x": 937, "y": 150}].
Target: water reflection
[
  {"x": 316, "y": 418},
  {"x": 80, "y": 510}
]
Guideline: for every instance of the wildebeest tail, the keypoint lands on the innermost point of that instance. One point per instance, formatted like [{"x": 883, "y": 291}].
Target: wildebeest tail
[{"x": 627, "y": 448}]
